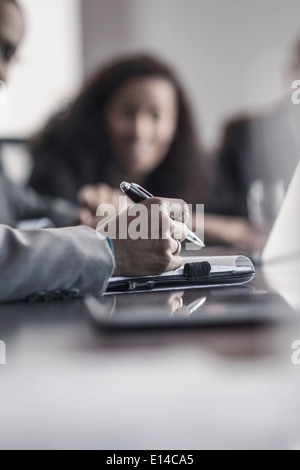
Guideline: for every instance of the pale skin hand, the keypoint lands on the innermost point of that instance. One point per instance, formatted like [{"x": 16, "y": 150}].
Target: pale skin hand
[
  {"x": 233, "y": 231},
  {"x": 93, "y": 196},
  {"x": 152, "y": 257}
]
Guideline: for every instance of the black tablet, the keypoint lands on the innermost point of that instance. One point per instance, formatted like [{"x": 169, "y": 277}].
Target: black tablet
[{"x": 188, "y": 309}]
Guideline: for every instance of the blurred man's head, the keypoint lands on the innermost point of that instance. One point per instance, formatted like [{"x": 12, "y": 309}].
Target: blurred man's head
[{"x": 11, "y": 31}]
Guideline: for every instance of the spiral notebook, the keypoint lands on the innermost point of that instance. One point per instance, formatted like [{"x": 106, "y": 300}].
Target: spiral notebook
[{"x": 197, "y": 272}]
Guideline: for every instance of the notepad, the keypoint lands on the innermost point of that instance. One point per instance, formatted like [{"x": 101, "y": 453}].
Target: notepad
[{"x": 196, "y": 272}]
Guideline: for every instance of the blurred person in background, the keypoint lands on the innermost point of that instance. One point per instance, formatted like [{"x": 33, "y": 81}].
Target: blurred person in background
[
  {"x": 256, "y": 162},
  {"x": 44, "y": 265},
  {"x": 132, "y": 122},
  {"x": 16, "y": 203}
]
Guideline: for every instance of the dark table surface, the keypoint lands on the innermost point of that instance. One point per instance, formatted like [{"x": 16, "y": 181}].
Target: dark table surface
[{"x": 70, "y": 382}]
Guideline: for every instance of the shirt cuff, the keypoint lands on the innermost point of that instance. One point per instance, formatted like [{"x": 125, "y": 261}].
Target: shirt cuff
[{"x": 111, "y": 245}]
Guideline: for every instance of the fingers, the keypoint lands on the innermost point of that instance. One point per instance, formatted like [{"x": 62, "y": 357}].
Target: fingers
[
  {"x": 87, "y": 197},
  {"x": 176, "y": 262},
  {"x": 93, "y": 196},
  {"x": 145, "y": 257},
  {"x": 175, "y": 247},
  {"x": 175, "y": 300},
  {"x": 172, "y": 249},
  {"x": 152, "y": 255},
  {"x": 178, "y": 231},
  {"x": 175, "y": 208},
  {"x": 166, "y": 259},
  {"x": 167, "y": 217},
  {"x": 104, "y": 194}
]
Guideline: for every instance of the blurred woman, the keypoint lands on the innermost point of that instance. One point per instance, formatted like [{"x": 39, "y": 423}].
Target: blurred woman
[{"x": 132, "y": 122}]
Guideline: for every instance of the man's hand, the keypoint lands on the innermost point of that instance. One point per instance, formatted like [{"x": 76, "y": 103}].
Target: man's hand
[{"x": 152, "y": 255}]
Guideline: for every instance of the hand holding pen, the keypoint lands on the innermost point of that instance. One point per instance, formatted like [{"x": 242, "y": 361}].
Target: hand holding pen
[{"x": 138, "y": 194}]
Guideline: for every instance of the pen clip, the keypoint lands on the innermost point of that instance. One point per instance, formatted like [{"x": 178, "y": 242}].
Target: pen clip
[{"x": 142, "y": 190}]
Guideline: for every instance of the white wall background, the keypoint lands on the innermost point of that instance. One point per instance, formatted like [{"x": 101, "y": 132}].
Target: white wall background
[
  {"x": 50, "y": 67},
  {"x": 229, "y": 53}
]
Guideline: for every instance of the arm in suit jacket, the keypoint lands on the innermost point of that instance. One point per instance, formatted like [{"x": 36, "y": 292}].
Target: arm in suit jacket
[
  {"x": 52, "y": 264},
  {"x": 18, "y": 203},
  {"x": 56, "y": 177}
]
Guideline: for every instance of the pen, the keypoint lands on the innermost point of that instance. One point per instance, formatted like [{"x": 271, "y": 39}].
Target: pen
[
  {"x": 138, "y": 194},
  {"x": 194, "y": 306}
]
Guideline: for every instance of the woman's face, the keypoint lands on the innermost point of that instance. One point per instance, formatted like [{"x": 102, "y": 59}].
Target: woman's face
[
  {"x": 11, "y": 31},
  {"x": 141, "y": 121}
]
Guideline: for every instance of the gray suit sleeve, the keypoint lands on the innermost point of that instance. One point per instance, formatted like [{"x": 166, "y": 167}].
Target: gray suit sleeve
[
  {"x": 25, "y": 203},
  {"x": 52, "y": 264}
]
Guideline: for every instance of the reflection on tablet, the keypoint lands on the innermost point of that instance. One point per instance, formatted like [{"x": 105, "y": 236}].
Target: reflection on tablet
[{"x": 187, "y": 309}]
